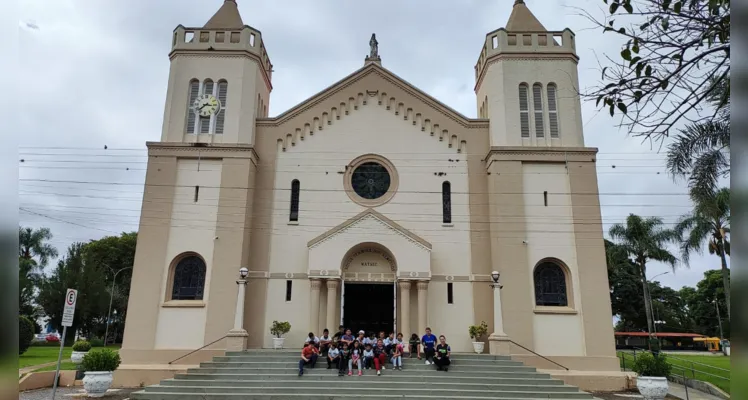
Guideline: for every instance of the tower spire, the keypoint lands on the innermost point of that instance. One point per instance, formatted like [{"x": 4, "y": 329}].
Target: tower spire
[
  {"x": 523, "y": 20},
  {"x": 227, "y": 17}
]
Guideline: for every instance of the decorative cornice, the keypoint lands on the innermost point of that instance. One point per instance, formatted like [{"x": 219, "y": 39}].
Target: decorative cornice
[
  {"x": 206, "y": 150},
  {"x": 548, "y": 154},
  {"x": 226, "y": 54},
  {"x": 521, "y": 57}
]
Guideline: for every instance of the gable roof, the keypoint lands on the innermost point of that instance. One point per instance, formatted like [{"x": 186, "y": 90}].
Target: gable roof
[
  {"x": 368, "y": 69},
  {"x": 227, "y": 17},
  {"x": 365, "y": 214},
  {"x": 523, "y": 20}
]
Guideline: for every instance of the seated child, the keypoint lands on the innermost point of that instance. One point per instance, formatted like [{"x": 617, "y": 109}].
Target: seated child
[
  {"x": 308, "y": 357},
  {"x": 397, "y": 357},
  {"x": 333, "y": 356},
  {"x": 345, "y": 355},
  {"x": 368, "y": 356},
  {"x": 380, "y": 357},
  {"x": 355, "y": 359},
  {"x": 415, "y": 346}
]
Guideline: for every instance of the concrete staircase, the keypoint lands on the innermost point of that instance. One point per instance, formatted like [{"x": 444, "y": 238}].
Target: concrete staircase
[{"x": 273, "y": 375}]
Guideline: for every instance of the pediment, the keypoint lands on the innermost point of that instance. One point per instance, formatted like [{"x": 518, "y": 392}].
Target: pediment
[{"x": 373, "y": 223}]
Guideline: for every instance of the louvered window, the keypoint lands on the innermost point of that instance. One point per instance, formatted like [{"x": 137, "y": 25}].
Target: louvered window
[
  {"x": 223, "y": 88},
  {"x": 191, "y": 112},
  {"x": 524, "y": 111},
  {"x": 537, "y": 102},
  {"x": 552, "y": 111},
  {"x": 205, "y": 121}
]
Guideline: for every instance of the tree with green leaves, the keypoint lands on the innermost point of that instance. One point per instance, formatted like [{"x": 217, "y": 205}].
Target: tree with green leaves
[
  {"x": 703, "y": 302},
  {"x": 708, "y": 223},
  {"x": 675, "y": 56},
  {"x": 34, "y": 253},
  {"x": 644, "y": 240}
]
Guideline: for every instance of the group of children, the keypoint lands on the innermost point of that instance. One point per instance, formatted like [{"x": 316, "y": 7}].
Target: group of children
[{"x": 344, "y": 351}]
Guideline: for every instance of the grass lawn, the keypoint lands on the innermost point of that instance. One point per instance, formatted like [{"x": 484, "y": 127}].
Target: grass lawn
[
  {"x": 703, "y": 368},
  {"x": 64, "y": 366},
  {"x": 36, "y": 355}
]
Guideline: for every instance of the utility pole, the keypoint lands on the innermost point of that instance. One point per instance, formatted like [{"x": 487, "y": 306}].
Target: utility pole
[
  {"x": 111, "y": 297},
  {"x": 719, "y": 320}
]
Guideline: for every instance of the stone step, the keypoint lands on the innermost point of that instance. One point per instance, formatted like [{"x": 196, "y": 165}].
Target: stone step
[
  {"x": 142, "y": 395},
  {"x": 295, "y": 357},
  {"x": 420, "y": 369},
  {"x": 324, "y": 374},
  {"x": 373, "y": 381},
  {"x": 401, "y": 376},
  {"x": 461, "y": 365},
  {"x": 296, "y": 352},
  {"x": 406, "y": 391}
]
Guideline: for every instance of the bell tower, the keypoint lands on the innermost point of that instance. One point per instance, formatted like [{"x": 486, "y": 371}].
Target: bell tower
[
  {"x": 219, "y": 81},
  {"x": 527, "y": 84}
]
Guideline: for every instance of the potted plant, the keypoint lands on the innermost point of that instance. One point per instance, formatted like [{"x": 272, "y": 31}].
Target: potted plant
[
  {"x": 80, "y": 348},
  {"x": 278, "y": 329},
  {"x": 99, "y": 365},
  {"x": 477, "y": 332},
  {"x": 653, "y": 372}
]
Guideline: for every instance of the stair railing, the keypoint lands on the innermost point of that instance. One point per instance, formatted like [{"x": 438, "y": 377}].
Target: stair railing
[
  {"x": 539, "y": 355},
  {"x": 196, "y": 350}
]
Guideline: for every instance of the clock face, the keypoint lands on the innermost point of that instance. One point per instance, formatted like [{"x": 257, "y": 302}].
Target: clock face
[{"x": 206, "y": 105}]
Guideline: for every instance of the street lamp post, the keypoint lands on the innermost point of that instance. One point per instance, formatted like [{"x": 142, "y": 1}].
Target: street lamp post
[
  {"x": 111, "y": 298},
  {"x": 237, "y": 336},
  {"x": 498, "y": 341},
  {"x": 649, "y": 297}
]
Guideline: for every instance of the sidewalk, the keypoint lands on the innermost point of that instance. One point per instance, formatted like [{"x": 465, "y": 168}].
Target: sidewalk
[{"x": 679, "y": 391}]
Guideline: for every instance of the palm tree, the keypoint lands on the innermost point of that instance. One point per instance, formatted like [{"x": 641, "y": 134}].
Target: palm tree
[
  {"x": 644, "y": 240},
  {"x": 708, "y": 222},
  {"x": 31, "y": 243}
]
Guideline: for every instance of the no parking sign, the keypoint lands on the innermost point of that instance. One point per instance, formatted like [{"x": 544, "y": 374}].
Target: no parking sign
[{"x": 71, "y": 297}]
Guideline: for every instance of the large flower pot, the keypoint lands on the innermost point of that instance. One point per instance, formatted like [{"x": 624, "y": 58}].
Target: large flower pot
[
  {"x": 97, "y": 383},
  {"x": 478, "y": 347},
  {"x": 652, "y": 387},
  {"x": 77, "y": 356},
  {"x": 278, "y": 342}
]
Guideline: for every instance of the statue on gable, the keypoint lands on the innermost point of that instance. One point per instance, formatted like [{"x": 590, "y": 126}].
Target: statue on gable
[{"x": 374, "y": 46}]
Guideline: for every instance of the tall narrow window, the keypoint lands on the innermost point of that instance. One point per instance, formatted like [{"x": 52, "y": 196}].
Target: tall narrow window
[
  {"x": 223, "y": 89},
  {"x": 450, "y": 293},
  {"x": 295, "y": 187},
  {"x": 446, "y": 203},
  {"x": 191, "y": 112},
  {"x": 545, "y": 198},
  {"x": 524, "y": 111},
  {"x": 205, "y": 121},
  {"x": 289, "y": 288},
  {"x": 537, "y": 102},
  {"x": 550, "y": 285},
  {"x": 197, "y": 193},
  {"x": 552, "y": 111}
]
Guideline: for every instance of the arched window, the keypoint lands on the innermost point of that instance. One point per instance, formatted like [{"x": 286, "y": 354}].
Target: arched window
[
  {"x": 552, "y": 110},
  {"x": 191, "y": 112},
  {"x": 550, "y": 285},
  {"x": 189, "y": 279},
  {"x": 223, "y": 91},
  {"x": 537, "y": 102},
  {"x": 447, "y": 202},
  {"x": 295, "y": 187},
  {"x": 524, "y": 111},
  {"x": 205, "y": 121}
]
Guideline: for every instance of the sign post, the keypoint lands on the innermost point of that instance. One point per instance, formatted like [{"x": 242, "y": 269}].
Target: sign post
[{"x": 71, "y": 297}]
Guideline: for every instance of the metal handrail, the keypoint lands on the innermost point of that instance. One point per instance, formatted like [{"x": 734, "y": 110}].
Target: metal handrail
[
  {"x": 669, "y": 355},
  {"x": 194, "y": 351},
  {"x": 541, "y": 356}
]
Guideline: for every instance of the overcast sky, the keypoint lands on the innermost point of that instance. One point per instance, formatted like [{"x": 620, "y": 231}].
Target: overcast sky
[{"x": 94, "y": 74}]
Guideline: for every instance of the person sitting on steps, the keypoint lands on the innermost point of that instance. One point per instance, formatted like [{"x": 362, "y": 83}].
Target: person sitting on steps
[
  {"x": 361, "y": 338},
  {"x": 339, "y": 334},
  {"x": 429, "y": 343},
  {"x": 355, "y": 359},
  {"x": 333, "y": 355},
  {"x": 347, "y": 338},
  {"x": 308, "y": 357},
  {"x": 324, "y": 342},
  {"x": 313, "y": 340},
  {"x": 414, "y": 346},
  {"x": 368, "y": 356},
  {"x": 397, "y": 357},
  {"x": 443, "y": 352},
  {"x": 380, "y": 357},
  {"x": 345, "y": 355}
]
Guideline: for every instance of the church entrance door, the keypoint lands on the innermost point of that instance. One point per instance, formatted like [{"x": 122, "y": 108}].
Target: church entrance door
[{"x": 369, "y": 307}]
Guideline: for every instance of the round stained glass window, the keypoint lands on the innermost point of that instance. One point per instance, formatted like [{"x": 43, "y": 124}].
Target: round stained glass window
[{"x": 370, "y": 180}]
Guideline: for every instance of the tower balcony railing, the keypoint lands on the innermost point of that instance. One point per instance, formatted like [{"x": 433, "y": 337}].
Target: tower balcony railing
[
  {"x": 245, "y": 39},
  {"x": 501, "y": 41}
]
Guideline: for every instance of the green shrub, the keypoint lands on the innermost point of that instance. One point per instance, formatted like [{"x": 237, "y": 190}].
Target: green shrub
[
  {"x": 478, "y": 331},
  {"x": 25, "y": 334},
  {"x": 647, "y": 364},
  {"x": 278, "y": 329},
  {"x": 96, "y": 342},
  {"x": 82, "y": 346},
  {"x": 100, "y": 360}
]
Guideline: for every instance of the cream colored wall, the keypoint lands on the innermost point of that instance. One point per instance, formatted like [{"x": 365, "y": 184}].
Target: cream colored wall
[
  {"x": 244, "y": 83},
  {"x": 296, "y": 311},
  {"x": 319, "y": 162},
  {"x": 501, "y": 85},
  {"x": 193, "y": 229},
  {"x": 451, "y": 320},
  {"x": 550, "y": 234}
]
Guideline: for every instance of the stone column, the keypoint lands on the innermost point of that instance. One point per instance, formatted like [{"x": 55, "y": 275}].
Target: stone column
[
  {"x": 332, "y": 297},
  {"x": 236, "y": 340},
  {"x": 423, "y": 320},
  {"x": 314, "y": 306},
  {"x": 405, "y": 309},
  {"x": 498, "y": 341}
]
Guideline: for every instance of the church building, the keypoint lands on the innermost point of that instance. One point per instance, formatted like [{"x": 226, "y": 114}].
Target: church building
[{"x": 371, "y": 204}]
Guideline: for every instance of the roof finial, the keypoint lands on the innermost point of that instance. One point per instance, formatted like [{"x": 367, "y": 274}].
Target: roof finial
[
  {"x": 516, "y": 2},
  {"x": 373, "y": 56}
]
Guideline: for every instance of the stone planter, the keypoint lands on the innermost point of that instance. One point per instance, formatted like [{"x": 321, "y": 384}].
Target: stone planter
[
  {"x": 77, "y": 356},
  {"x": 278, "y": 342},
  {"x": 97, "y": 383},
  {"x": 652, "y": 387},
  {"x": 478, "y": 347}
]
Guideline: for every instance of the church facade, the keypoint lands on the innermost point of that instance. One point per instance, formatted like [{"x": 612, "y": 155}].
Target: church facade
[{"x": 370, "y": 204}]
